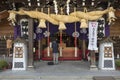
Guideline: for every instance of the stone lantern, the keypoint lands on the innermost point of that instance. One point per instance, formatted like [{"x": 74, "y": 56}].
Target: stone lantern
[
  {"x": 19, "y": 55},
  {"x": 106, "y": 54}
]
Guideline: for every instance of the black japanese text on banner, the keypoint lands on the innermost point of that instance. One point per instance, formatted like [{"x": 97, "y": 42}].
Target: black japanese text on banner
[{"x": 93, "y": 36}]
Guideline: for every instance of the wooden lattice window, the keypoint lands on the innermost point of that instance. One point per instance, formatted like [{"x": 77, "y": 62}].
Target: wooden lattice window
[
  {"x": 107, "y": 52},
  {"x": 18, "y": 52}
]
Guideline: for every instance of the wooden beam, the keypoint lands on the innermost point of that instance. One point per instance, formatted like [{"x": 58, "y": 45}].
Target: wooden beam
[
  {"x": 17, "y": 1},
  {"x": 4, "y": 14},
  {"x": 117, "y": 13}
]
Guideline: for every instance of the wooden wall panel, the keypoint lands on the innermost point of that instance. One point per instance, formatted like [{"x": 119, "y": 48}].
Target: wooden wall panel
[
  {"x": 117, "y": 13},
  {"x": 5, "y": 28},
  {"x": 115, "y": 28},
  {"x": 4, "y": 14}
]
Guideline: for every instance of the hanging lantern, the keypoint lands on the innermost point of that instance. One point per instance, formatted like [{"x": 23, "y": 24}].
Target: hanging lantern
[
  {"x": 62, "y": 26},
  {"x": 83, "y": 23},
  {"x": 42, "y": 23}
]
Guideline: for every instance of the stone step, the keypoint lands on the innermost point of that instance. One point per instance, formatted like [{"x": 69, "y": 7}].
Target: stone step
[
  {"x": 37, "y": 77},
  {"x": 103, "y": 78},
  {"x": 29, "y": 77}
]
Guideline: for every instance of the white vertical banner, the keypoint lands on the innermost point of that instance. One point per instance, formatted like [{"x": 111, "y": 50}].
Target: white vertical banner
[{"x": 93, "y": 35}]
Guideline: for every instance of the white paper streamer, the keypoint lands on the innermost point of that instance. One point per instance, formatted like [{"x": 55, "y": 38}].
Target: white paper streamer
[
  {"x": 68, "y": 7},
  {"x": 93, "y": 36},
  {"x": 55, "y": 6}
]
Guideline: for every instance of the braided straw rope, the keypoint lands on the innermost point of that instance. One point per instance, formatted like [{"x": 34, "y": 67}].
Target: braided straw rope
[{"x": 58, "y": 19}]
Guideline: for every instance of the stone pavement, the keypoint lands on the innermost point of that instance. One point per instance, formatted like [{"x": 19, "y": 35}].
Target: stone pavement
[
  {"x": 103, "y": 78},
  {"x": 65, "y": 70}
]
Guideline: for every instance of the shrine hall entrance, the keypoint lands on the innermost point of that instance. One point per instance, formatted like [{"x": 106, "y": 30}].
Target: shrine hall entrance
[{"x": 67, "y": 43}]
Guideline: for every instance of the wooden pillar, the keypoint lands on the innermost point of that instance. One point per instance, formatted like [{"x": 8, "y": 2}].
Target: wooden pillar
[
  {"x": 30, "y": 44},
  {"x": 61, "y": 43},
  {"x": 93, "y": 61},
  {"x": 39, "y": 49},
  {"x": 83, "y": 49},
  {"x": 75, "y": 42}
]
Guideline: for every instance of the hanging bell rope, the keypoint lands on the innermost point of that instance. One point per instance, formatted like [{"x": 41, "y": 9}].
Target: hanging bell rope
[
  {"x": 48, "y": 37},
  {"x": 75, "y": 36},
  {"x": 75, "y": 39},
  {"x": 48, "y": 27},
  {"x": 75, "y": 16}
]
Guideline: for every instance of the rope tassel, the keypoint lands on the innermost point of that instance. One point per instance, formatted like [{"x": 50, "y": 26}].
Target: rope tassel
[
  {"x": 62, "y": 26},
  {"x": 111, "y": 15},
  {"x": 12, "y": 17},
  {"x": 42, "y": 23},
  {"x": 83, "y": 23}
]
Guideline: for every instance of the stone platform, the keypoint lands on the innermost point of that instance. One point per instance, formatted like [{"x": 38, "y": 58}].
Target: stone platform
[{"x": 65, "y": 70}]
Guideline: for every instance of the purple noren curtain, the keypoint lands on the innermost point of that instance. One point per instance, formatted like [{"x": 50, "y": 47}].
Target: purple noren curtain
[
  {"x": 107, "y": 30},
  {"x": 17, "y": 31}
]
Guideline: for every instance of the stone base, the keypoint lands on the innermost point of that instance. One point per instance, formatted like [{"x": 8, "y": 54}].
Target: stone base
[
  {"x": 30, "y": 68},
  {"x": 93, "y": 67}
]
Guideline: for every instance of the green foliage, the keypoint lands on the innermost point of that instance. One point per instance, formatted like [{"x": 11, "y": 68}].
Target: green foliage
[
  {"x": 117, "y": 63},
  {"x": 3, "y": 64}
]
